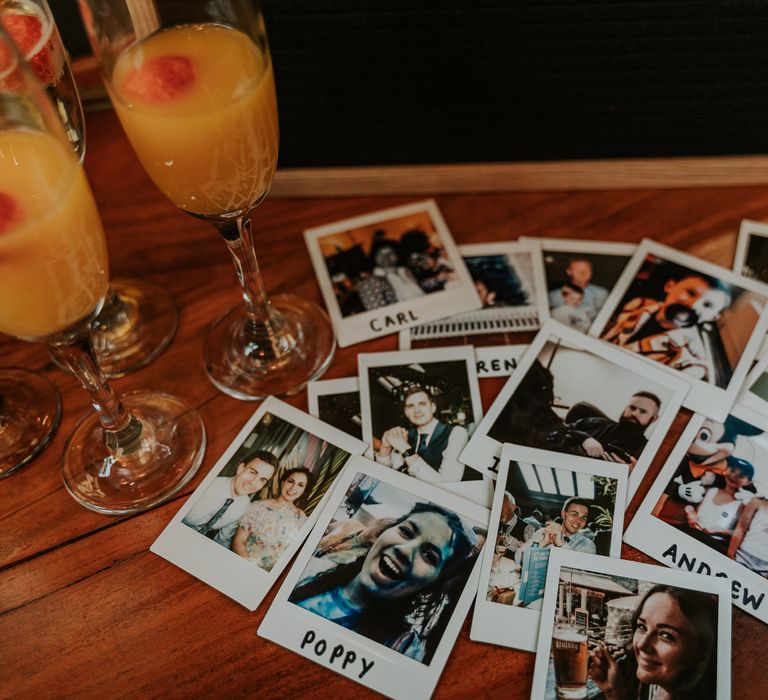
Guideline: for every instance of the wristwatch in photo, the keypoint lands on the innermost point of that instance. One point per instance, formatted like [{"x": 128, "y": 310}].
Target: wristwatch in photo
[{"x": 407, "y": 453}]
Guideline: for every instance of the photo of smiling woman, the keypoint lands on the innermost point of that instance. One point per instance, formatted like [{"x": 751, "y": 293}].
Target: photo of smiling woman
[
  {"x": 269, "y": 526},
  {"x": 671, "y": 654},
  {"x": 391, "y": 568}
]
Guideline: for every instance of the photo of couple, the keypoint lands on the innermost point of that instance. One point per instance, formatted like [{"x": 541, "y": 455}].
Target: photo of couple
[
  {"x": 260, "y": 500},
  {"x": 391, "y": 567}
]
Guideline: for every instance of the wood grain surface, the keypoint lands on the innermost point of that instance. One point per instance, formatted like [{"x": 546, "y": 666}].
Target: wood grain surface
[{"x": 86, "y": 610}]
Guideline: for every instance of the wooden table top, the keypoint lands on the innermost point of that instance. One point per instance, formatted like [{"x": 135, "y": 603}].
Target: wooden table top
[{"x": 86, "y": 609}]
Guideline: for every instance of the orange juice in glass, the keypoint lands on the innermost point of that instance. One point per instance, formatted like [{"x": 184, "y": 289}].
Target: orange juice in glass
[
  {"x": 130, "y": 454},
  {"x": 198, "y": 105},
  {"x": 193, "y": 85},
  {"x": 53, "y": 256}
]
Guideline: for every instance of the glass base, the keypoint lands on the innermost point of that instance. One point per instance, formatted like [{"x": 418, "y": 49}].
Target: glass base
[
  {"x": 170, "y": 451},
  {"x": 30, "y": 411},
  {"x": 137, "y": 322},
  {"x": 300, "y": 350}
]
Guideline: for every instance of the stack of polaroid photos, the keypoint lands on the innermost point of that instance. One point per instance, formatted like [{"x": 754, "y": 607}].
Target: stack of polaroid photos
[{"x": 411, "y": 502}]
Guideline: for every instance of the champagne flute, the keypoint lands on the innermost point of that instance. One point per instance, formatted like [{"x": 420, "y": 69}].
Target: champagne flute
[
  {"x": 192, "y": 84},
  {"x": 130, "y": 454},
  {"x": 138, "y": 319}
]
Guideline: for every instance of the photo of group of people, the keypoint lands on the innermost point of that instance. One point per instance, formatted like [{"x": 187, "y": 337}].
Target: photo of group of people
[
  {"x": 617, "y": 636},
  {"x": 545, "y": 508},
  {"x": 389, "y": 270},
  {"x": 578, "y": 281},
  {"x": 390, "y": 567},
  {"x": 386, "y": 262}
]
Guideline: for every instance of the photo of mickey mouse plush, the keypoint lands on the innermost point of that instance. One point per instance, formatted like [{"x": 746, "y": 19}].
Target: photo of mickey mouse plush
[{"x": 705, "y": 466}]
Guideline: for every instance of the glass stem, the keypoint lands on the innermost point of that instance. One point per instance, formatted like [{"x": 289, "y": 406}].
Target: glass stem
[
  {"x": 122, "y": 431},
  {"x": 261, "y": 327}
]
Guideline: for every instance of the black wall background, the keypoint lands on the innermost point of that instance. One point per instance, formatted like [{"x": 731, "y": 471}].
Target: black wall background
[{"x": 368, "y": 82}]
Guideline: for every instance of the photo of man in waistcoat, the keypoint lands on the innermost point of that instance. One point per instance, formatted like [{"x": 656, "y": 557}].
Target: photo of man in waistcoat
[{"x": 428, "y": 448}]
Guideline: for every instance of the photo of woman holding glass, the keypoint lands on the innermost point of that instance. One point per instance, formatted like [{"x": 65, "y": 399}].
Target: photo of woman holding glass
[
  {"x": 402, "y": 586},
  {"x": 269, "y": 526},
  {"x": 671, "y": 654}
]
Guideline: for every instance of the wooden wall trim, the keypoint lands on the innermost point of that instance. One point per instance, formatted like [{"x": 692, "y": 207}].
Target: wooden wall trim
[{"x": 510, "y": 177}]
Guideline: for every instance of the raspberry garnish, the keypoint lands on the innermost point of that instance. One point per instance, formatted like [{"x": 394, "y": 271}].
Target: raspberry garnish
[
  {"x": 10, "y": 212},
  {"x": 160, "y": 79}
]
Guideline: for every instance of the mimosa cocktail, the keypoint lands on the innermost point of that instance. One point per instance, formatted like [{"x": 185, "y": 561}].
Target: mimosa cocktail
[
  {"x": 31, "y": 26},
  {"x": 193, "y": 86},
  {"x": 53, "y": 257},
  {"x": 130, "y": 455},
  {"x": 198, "y": 105},
  {"x": 138, "y": 319}
]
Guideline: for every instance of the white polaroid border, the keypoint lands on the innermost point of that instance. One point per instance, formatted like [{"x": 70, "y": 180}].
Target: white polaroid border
[
  {"x": 747, "y": 230},
  {"x": 425, "y": 356},
  {"x": 390, "y": 319},
  {"x": 483, "y": 450},
  {"x": 342, "y": 650},
  {"x": 220, "y": 567},
  {"x": 491, "y": 360},
  {"x": 674, "y": 548},
  {"x": 751, "y": 406},
  {"x": 642, "y": 572},
  {"x": 568, "y": 245},
  {"x": 517, "y": 627},
  {"x": 703, "y": 397}
]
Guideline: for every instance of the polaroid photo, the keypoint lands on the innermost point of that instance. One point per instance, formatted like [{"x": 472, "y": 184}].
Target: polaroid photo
[
  {"x": 249, "y": 516},
  {"x": 707, "y": 511},
  {"x": 693, "y": 319},
  {"x": 573, "y": 395},
  {"x": 578, "y": 276},
  {"x": 568, "y": 503},
  {"x": 508, "y": 278},
  {"x": 751, "y": 258},
  {"x": 419, "y": 408},
  {"x": 753, "y": 399},
  {"x": 337, "y": 402},
  {"x": 389, "y": 270},
  {"x": 491, "y": 360},
  {"x": 622, "y": 629},
  {"x": 382, "y": 586}
]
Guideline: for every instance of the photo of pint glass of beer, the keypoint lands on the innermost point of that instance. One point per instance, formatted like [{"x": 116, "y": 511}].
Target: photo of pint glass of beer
[{"x": 569, "y": 655}]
